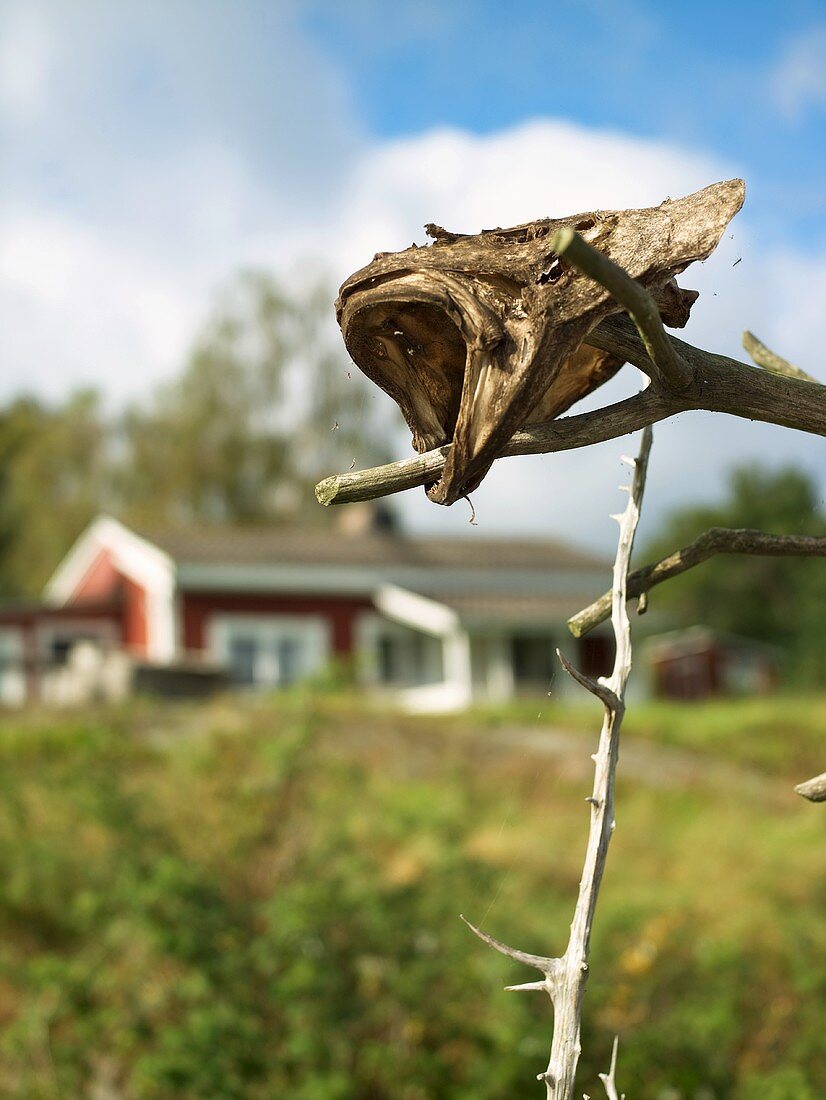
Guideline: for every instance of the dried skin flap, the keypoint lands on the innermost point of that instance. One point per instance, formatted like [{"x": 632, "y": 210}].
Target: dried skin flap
[{"x": 474, "y": 336}]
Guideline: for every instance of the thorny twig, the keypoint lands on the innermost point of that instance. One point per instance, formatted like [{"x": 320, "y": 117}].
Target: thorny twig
[{"x": 564, "y": 978}]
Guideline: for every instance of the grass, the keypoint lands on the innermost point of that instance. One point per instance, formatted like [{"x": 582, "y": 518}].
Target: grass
[
  {"x": 260, "y": 898},
  {"x": 780, "y": 735}
]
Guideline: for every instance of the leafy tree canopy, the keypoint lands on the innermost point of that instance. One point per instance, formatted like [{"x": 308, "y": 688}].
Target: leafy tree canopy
[
  {"x": 775, "y": 600},
  {"x": 266, "y": 406},
  {"x": 54, "y": 477}
]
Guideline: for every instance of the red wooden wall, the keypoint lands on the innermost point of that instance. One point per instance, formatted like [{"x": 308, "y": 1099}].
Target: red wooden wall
[{"x": 340, "y": 611}]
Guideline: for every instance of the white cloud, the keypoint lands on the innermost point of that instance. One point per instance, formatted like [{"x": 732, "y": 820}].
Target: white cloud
[
  {"x": 798, "y": 81},
  {"x": 107, "y": 285},
  {"x": 26, "y": 55},
  {"x": 121, "y": 296},
  {"x": 77, "y": 311},
  {"x": 466, "y": 182},
  {"x": 164, "y": 147}
]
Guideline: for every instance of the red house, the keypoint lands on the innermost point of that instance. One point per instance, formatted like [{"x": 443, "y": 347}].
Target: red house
[{"x": 437, "y": 622}]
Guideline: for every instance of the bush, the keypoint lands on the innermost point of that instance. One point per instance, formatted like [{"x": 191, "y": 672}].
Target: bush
[{"x": 258, "y": 902}]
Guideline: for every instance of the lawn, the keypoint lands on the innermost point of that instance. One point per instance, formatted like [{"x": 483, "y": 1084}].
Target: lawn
[
  {"x": 781, "y": 734},
  {"x": 250, "y": 899}
]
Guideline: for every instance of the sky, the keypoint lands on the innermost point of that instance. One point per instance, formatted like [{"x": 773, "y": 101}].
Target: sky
[{"x": 151, "y": 148}]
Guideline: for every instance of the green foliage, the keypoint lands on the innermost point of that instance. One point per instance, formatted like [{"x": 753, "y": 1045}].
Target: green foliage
[
  {"x": 204, "y": 447},
  {"x": 775, "y": 600},
  {"x": 266, "y": 406},
  {"x": 53, "y": 480},
  {"x": 263, "y": 901}
]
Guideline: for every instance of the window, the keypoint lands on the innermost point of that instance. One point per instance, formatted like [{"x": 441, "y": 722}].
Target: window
[
  {"x": 289, "y": 660},
  {"x": 533, "y": 659},
  {"x": 596, "y": 654},
  {"x": 242, "y": 654},
  {"x": 58, "y": 651},
  {"x": 56, "y": 642},
  {"x": 407, "y": 658},
  {"x": 269, "y": 651},
  {"x": 386, "y": 649}
]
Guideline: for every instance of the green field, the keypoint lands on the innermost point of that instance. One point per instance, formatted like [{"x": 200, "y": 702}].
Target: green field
[{"x": 260, "y": 900}]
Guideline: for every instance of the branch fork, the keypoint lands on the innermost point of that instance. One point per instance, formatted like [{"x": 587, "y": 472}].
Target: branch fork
[
  {"x": 598, "y": 687},
  {"x": 720, "y": 384},
  {"x": 716, "y": 540}
]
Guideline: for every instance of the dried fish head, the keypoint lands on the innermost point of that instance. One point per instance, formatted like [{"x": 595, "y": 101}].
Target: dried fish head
[{"x": 476, "y": 335}]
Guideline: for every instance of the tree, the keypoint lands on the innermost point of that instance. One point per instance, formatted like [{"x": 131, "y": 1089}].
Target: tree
[
  {"x": 772, "y": 599},
  {"x": 54, "y": 478},
  {"x": 264, "y": 404}
]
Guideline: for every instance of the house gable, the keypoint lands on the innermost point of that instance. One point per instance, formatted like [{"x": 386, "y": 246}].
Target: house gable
[{"x": 108, "y": 558}]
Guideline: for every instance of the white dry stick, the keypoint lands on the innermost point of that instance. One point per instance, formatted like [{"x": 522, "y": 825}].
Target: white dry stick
[{"x": 564, "y": 978}]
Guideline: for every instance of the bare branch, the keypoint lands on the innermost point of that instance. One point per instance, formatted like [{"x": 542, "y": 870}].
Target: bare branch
[
  {"x": 564, "y": 434},
  {"x": 769, "y": 360},
  {"x": 525, "y": 987},
  {"x": 380, "y": 481},
  {"x": 720, "y": 385},
  {"x": 669, "y": 371},
  {"x": 717, "y": 540},
  {"x": 813, "y": 789}
]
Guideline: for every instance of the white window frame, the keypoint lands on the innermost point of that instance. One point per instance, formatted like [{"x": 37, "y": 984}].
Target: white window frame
[{"x": 313, "y": 632}]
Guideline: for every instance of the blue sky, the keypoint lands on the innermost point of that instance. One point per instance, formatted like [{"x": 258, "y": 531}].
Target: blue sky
[
  {"x": 151, "y": 148},
  {"x": 738, "y": 77}
]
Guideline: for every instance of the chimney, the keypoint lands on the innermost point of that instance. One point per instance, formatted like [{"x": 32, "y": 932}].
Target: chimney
[{"x": 367, "y": 517}]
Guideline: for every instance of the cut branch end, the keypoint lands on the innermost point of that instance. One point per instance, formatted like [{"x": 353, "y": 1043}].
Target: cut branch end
[{"x": 813, "y": 789}]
